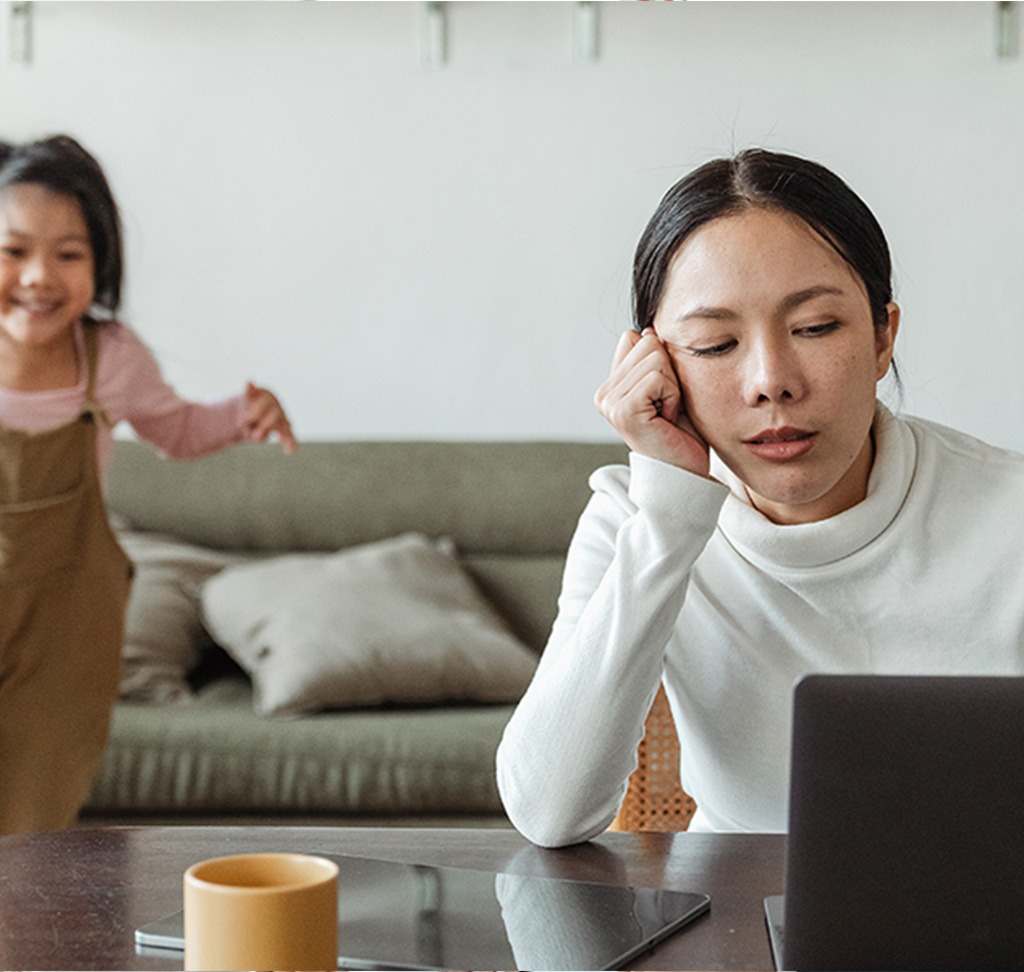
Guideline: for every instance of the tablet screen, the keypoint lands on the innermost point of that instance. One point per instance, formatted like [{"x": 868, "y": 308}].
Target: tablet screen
[{"x": 416, "y": 916}]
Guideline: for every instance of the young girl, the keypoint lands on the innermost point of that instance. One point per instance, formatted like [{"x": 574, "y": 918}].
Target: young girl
[
  {"x": 68, "y": 374},
  {"x": 775, "y": 518}
]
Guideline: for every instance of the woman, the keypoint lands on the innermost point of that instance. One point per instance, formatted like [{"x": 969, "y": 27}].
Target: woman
[{"x": 775, "y": 518}]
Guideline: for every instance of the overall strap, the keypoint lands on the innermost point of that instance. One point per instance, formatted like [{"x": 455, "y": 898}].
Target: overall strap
[{"x": 91, "y": 407}]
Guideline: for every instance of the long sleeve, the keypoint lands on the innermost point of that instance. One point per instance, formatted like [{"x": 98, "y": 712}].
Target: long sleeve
[
  {"x": 568, "y": 750},
  {"x": 131, "y": 387}
]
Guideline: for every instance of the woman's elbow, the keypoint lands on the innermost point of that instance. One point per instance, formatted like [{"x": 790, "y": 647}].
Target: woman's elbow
[
  {"x": 544, "y": 821},
  {"x": 552, "y": 834}
]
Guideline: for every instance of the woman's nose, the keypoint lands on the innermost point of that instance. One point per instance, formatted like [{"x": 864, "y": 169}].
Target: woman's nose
[{"x": 773, "y": 374}]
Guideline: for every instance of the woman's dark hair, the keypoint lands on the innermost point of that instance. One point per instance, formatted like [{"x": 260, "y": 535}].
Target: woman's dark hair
[
  {"x": 759, "y": 178},
  {"x": 61, "y": 165}
]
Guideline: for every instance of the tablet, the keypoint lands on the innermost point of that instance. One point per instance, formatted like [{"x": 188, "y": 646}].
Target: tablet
[{"x": 417, "y": 916}]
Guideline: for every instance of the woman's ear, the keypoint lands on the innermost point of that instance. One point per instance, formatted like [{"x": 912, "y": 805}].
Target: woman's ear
[{"x": 885, "y": 339}]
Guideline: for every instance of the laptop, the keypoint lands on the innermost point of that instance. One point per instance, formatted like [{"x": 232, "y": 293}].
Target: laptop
[
  {"x": 906, "y": 825},
  {"x": 414, "y": 916}
]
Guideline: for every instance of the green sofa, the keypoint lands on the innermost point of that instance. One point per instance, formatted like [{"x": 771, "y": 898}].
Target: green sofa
[{"x": 510, "y": 509}]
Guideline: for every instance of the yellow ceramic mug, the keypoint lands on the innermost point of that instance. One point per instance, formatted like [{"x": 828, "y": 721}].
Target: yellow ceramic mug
[{"x": 262, "y": 911}]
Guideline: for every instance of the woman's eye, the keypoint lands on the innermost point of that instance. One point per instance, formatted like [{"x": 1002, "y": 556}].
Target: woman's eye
[
  {"x": 71, "y": 256},
  {"x": 817, "y": 330},
  {"x": 14, "y": 252},
  {"x": 712, "y": 350}
]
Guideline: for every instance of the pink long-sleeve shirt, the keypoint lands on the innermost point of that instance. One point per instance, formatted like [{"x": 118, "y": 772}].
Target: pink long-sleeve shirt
[{"x": 129, "y": 387}]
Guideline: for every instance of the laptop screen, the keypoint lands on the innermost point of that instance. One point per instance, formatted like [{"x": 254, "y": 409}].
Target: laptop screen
[{"x": 906, "y": 834}]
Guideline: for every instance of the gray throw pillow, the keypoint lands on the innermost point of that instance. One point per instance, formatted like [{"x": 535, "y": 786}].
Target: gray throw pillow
[
  {"x": 164, "y": 633},
  {"x": 393, "y": 621}
]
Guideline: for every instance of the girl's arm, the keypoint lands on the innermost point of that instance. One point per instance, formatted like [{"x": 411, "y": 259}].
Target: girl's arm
[
  {"x": 131, "y": 387},
  {"x": 567, "y": 753}
]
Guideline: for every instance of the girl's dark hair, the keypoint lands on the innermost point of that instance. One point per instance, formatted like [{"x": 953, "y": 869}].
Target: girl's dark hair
[
  {"x": 62, "y": 165},
  {"x": 759, "y": 178}
]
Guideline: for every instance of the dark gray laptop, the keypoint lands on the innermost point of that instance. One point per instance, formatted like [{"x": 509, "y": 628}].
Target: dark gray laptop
[{"x": 906, "y": 825}]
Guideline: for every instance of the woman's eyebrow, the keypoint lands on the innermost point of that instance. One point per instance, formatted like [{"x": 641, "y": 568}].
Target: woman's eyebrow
[
  {"x": 794, "y": 300},
  {"x": 789, "y": 302},
  {"x": 707, "y": 312}
]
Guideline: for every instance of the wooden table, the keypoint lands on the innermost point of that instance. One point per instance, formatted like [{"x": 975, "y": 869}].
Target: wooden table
[{"x": 71, "y": 900}]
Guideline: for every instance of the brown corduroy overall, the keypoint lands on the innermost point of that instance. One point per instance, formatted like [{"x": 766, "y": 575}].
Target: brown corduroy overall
[{"x": 64, "y": 584}]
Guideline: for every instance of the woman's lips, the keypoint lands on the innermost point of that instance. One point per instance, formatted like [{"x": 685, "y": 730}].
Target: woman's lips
[{"x": 781, "y": 445}]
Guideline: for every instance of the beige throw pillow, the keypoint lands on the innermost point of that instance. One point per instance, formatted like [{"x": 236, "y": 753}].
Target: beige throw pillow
[
  {"x": 164, "y": 634},
  {"x": 393, "y": 621}
]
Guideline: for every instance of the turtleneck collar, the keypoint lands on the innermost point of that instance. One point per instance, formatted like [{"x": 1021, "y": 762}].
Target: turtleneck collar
[{"x": 805, "y": 545}]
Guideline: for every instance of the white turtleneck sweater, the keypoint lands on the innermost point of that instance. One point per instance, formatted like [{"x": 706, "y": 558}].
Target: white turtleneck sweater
[{"x": 672, "y": 576}]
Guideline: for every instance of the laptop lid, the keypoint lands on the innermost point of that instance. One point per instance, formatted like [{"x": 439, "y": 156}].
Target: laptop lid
[{"x": 906, "y": 830}]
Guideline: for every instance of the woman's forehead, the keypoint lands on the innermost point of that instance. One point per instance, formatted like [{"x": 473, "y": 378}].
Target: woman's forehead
[{"x": 756, "y": 255}]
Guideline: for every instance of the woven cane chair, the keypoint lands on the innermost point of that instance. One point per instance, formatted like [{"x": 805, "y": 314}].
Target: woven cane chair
[{"x": 654, "y": 800}]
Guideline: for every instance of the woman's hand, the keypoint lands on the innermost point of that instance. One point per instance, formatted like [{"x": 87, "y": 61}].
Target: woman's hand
[
  {"x": 643, "y": 401},
  {"x": 263, "y": 416}
]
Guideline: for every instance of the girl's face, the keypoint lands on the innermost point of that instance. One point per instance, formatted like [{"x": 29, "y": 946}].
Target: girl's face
[
  {"x": 46, "y": 266},
  {"x": 771, "y": 335}
]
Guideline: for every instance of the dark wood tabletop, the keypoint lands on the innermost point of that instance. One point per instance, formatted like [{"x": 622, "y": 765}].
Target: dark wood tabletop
[{"x": 72, "y": 899}]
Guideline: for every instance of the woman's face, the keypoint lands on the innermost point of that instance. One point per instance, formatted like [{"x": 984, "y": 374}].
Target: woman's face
[{"x": 771, "y": 336}]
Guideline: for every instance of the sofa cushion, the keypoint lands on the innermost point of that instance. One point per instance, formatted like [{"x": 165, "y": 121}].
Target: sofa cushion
[
  {"x": 522, "y": 588},
  {"x": 164, "y": 634},
  {"x": 393, "y": 621},
  {"x": 218, "y": 756},
  {"x": 507, "y": 498}
]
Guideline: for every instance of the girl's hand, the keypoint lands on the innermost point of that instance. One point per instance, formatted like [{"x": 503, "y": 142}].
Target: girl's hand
[
  {"x": 263, "y": 416},
  {"x": 643, "y": 401}
]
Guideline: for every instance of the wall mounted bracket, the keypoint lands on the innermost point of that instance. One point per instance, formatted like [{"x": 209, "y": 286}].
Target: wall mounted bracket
[
  {"x": 433, "y": 34},
  {"x": 20, "y": 32},
  {"x": 1007, "y": 29},
  {"x": 584, "y": 24}
]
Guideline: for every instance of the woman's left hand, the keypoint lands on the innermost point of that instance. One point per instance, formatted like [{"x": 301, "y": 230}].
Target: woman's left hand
[{"x": 264, "y": 416}]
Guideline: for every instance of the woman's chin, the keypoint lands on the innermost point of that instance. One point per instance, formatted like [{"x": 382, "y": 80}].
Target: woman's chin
[{"x": 803, "y": 500}]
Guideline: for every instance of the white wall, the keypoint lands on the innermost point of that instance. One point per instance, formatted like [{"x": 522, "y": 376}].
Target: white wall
[{"x": 417, "y": 253}]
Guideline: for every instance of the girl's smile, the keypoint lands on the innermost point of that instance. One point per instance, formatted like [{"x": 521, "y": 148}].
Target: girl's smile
[{"x": 771, "y": 335}]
